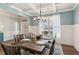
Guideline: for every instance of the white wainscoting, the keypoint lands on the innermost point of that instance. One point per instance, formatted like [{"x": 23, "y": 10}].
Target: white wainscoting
[
  {"x": 76, "y": 36},
  {"x": 67, "y": 34}
]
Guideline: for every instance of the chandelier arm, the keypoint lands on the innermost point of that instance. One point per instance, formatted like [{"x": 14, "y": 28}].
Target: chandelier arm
[{"x": 39, "y": 18}]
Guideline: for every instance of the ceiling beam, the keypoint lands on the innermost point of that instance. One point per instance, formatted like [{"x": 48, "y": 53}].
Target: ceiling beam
[
  {"x": 54, "y": 7},
  {"x": 75, "y": 6},
  {"x": 33, "y": 7},
  {"x": 21, "y": 11},
  {"x": 55, "y": 12}
]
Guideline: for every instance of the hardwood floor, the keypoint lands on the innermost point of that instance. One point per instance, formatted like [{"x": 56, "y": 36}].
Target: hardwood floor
[
  {"x": 69, "y": 50},
  {"x": 1, "y": 51}
]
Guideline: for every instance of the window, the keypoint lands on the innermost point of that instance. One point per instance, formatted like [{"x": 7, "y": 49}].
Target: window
[
  {"x": 56, "y": 24},
  {"x": 42, "y": 25},
  {"x": 52, "y": 21},
  {"x": 16, "y": 27}
]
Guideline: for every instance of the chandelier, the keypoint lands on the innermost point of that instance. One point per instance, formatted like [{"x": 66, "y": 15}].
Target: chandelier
[{"x": 40, "y": 17}]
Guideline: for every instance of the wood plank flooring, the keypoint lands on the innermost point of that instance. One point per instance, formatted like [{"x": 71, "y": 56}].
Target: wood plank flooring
[
  {"x": 69, "y": 50},
  {"x": 1, "y": 51}
]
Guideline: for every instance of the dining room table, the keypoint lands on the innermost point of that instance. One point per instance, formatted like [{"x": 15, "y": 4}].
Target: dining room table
[{"x": 34, "y": 47}]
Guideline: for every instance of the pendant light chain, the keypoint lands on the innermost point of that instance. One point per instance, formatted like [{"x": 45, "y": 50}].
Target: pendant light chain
[{"x": 40, "y": 9}]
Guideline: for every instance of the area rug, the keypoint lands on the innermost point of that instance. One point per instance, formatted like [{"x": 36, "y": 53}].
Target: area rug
[{"x": 58, "y": 50}]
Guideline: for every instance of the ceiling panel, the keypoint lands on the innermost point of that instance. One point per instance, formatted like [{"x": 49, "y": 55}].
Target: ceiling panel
[
  {"x": 46, "y": 8},
  {"x": 64, "y": 6},
  {"x": 43, "y": 5},
  {"x": 22, "y": 6}
]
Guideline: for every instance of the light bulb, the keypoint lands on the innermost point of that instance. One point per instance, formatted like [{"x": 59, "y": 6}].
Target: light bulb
[
  {"x": 2, "y": 26},
  {"x": 34, "y": 19}
]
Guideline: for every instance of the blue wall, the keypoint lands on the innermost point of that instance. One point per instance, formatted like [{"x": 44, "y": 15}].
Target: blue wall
[
  {"x": 67, "y": 18},
  {"x": 32, "y": 23},
  {"x": 76, "y": 15}
]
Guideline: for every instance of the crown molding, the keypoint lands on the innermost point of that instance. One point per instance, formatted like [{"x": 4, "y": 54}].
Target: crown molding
[{"x": 24, "y": 14}]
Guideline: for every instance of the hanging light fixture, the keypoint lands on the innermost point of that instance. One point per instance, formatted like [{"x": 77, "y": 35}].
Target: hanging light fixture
[{"x": 40, "y": 17}]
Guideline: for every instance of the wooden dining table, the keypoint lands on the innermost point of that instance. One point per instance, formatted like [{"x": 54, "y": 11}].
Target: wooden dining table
[{"x": 30, "y": 46}]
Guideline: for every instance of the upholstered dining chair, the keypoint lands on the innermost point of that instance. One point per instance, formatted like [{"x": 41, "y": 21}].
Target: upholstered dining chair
[
  {"x": 21, "y": 36},
  {"x": 52, "y": 48},
  {"x": 49, "y": 51},
  {"x": 10, "y": 50},
  {"x": 50, "y": 42},
  {"x": 17, "y": 38}
]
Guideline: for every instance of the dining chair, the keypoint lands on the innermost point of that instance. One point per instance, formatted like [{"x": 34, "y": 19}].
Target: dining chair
[
  {"x": 25, "y": 36},
  {"x": 52, "y": 48},
  {"x": 50, "y": 42},
  {"x": 17, "y": 38},
  {"x": 22, "y": 36},
  {"x": 49, "y": 51},
  {"x": 10, "y": 50}
]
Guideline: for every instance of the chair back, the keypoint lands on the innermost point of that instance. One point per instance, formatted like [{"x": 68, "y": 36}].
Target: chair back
[
  {"x": 22, "y": 36},
  {"x": 17, "y": 38},
  {"x": 52, "y": 48},
  {"x": 9, "y": 50}
]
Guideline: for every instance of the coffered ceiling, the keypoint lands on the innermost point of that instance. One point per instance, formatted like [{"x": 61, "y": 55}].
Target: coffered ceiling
[{"x": 33, "y": 9}]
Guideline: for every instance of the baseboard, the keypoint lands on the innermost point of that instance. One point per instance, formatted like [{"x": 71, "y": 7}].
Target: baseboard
[{"x": 67, "y": 45}]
